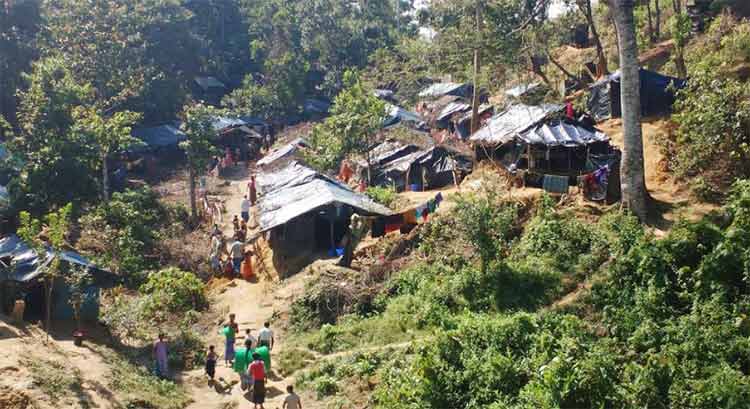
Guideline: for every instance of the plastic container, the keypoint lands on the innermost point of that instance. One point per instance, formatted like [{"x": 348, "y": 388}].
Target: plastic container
[{"x": 414, "y": 187}]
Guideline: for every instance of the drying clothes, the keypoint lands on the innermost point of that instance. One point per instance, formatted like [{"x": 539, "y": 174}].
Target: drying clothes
[
  {"x": 555, "y": 184},
  {"x": 432, "y": 205},
  {"x": 378, "y": 227},
  {"x": 602, "y": 175},
  {"x": 393, "y": 223},
  {"x": 425, "y": 215},
  {"x": 410, "y": 216},
  {"x": 439, "y": 198}
]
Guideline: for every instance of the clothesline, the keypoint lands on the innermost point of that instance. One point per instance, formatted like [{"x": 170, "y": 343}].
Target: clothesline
[{"x": 411, "y": 217}]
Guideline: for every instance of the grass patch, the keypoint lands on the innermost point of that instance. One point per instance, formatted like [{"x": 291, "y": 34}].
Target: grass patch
[
  {"x": 55, "y": 379},
  {"x": 293, "y": 359},
  {"x": 143, "y": 390}
]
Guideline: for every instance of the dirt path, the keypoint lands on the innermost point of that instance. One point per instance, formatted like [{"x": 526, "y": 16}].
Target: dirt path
[{"x": 253, "y": 303}]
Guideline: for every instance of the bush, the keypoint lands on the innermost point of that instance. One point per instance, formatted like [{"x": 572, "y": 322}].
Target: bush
[
  {"x": 174, "y": 291},
  {"x": 386, "y": 196}
]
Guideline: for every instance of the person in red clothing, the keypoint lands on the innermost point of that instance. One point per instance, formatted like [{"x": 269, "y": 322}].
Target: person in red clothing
[
  {"x": 257, "y": 371},
  {"x": 569, "y": 111}
]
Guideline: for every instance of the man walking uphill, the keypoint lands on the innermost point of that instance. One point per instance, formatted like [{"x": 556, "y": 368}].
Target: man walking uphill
[{"x": 237, "y": 252}]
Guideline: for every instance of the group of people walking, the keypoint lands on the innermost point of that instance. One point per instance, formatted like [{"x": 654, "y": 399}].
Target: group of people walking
[{"x": 252, "y": 363}]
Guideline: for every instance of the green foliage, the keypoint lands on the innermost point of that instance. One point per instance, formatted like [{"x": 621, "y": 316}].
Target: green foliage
[
  {"x": 487, "y": 223},
  {"x": 58, "y": 381},
  {"x": 123, "y": 233},
  {"x": 712, "y": 144},
  {"x": 173, "y": 291},
  {"x": 143, "y": 390},
  {"x": 386, "y": 196},
  {"x": 356, "y": 116}
]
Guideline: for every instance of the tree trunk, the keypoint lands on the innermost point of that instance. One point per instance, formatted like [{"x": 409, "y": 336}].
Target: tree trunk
[
  {"x": 679, "y": 61},
  {"x": 477, "y": 61},
  {"x": 633, "y": 182},
  {"x": 601, "y": 66},
  {"x": 191, "y": 193},
  {"x": 677, "y": 6},
  {"x": 649, "y": 18},
  {"x": 105, "y": 178},
  {"x": 49, "y": 284},
  {"x": 657, "y": 12},
  {"x": 563, "y": 70}
]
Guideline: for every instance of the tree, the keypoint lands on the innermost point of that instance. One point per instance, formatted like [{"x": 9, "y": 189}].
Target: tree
[
  {"x": 634, "y": 193},
  {"x": 19, "y": 24},
  {"x": 110, "y": 135},
  {"x": 198, "y": 127},
  {"x": 680, "y": 27},
  {"x": 356, "y": 117},
  {"x": 585, "y": 7},
  {"x": 46, "y": 237},
  {"x": 56, "y": 162}
]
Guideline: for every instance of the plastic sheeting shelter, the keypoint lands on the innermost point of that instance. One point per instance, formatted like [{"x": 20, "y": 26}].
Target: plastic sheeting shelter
[
  {"x": 285, "y": 151},
  {"x": 506, "y": 125},
  {"x": 306, "y": 213},
  {"x": 447, "y": 88},
  {"x": 657, "y": 95},
  {"x": 159, "y": 137},
  {"x": 436, "y": 166},
  {"x": 397, "y": 115},
  {"x": 206, "y": 83},
  {"x": 22, "y": 270}
]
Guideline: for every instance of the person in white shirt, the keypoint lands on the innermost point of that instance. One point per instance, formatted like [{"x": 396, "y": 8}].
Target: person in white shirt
[
  {"x": 292, "y": 400},
  {"x": 249, "y": 339},
  {"x": 237, "y": 252},
  {"x": 265, "y": 336},
  {"x": 245, "y": 209}
]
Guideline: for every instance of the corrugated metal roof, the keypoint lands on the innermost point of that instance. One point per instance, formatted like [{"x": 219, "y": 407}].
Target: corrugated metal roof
[
  {"x": 560, "y": 133},
  {"x": 396, "y": 114},
  {"x": 222, "y": 123},
  {"x": 297, "y": 190},
  {"x": 504, "y": 126}
]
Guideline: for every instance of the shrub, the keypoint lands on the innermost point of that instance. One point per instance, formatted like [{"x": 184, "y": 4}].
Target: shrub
[
  {"x": 175, "y": 291},
  {"x": 386, "y": 196}
]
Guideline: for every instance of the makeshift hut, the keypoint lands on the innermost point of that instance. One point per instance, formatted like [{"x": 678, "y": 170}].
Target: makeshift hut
[
  {"x": 305, "y": 214},
  {"x": 159, "y": 139},
  {"x": 546, "y": 149},
  {"x": 395, "y": 115},
  {"x": 657, "y": 95},
  {"x": 209, "y": 89},
  {"x": 316, "y": 108},
  {"x": 280, "y": 156},
  {"x": 423, "y": 169},
  {"x": 461, "y": 126},
  {"x": 246, "y": 135},
  {"x": 22, "y": 277},
  {"x": 443, "y": 89}
]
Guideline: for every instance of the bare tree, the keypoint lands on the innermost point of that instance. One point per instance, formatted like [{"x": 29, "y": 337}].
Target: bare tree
[
  {"x": 585, "y": 7},
  {"x": 632, "y": 174}
]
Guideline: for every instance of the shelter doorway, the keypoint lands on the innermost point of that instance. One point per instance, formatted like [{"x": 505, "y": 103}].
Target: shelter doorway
[{"x": 35, "y": 303}]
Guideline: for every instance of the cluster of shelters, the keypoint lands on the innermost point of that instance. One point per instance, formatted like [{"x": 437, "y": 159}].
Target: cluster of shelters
[
  {"x": 305, "y": 213},
  {"x": 540, "y": 142},
  {"x": 22, "y": 277},
  {"x": 409, "y": 167},
  {"x": 447, "y": 107}
]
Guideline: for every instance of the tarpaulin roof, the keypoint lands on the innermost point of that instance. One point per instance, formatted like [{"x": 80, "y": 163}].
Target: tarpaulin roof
[
  {"x": 482, "y": 110},
  {"x": 316, "y": 105},
  {"x": 444, "y": 88},
  {"x": 389, "y": 151},
  {"x": 26, "y": 265},
  {"x": 297, "y": 190},
  {"x": 383, "y": 93},
  {"x": 451, "y": 109},
  {"x": 522, "y": 89},
  {"x": 160, "y": 136},
  {"x": 504, "y": 126},
  {"x": 562, "y": 133},
  {"x": 208, "y": 82},
  {"x": 282, "y": 152},
  {"x": 396, "y": 114},
  {"x": 222, "y": 123}
]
